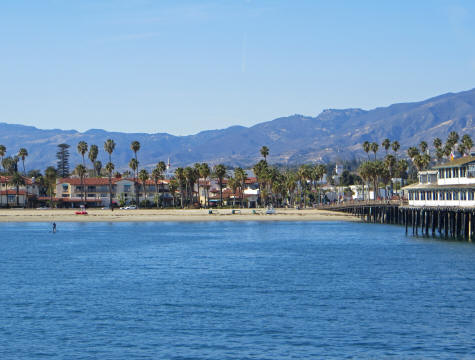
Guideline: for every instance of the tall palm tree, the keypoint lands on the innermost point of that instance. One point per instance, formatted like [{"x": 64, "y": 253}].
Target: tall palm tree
[
  {"x": 291, "y": 185},
  {"x": 412, "y": 152},
  {"x": 133, "y": 164},
  {"x": 51, "y": 174},
  {"x": 259, "y": 170},
  {"x": 97, "y": 167},
  {"x": 81, "y": 171},
  {"x": 197, "y": 167},
  {"x": 173, "y": 187},
  {"x": 143, "y": 176},
  {"x": 93, "y": 152},
  {"x": 423, "y": 146},
  {"x": 319, "y": 171},
  {"x": 386, "y": 144},
  {"x": 135, "y": 147},
  {"x": 241, "y": 176},
  {"x": 437, "y": 143},
  {"x": 395, "y": 146},
  {"x": 110, "y": 169},
  {"x": 374, "y": 148},
  {"x": 180, "y": 177},
  {"x": 467, "y": 143},
  {"x": 109, "y": 146},
  {"x": 367, "y": 147},
  {"x": 22, "y": 154},
  {"x": 264, "y": 152},
  {"x": 82, "y": 149},
  {"x": 17, "y": 180},
  {"x": 205, "y": 171},
  {"x": 234, "y": 185},
  {"x": 3, "y": 151},
  {"x": 390, "y": 163},
  {"x": 220, "y": 173},
  {"x": 191, "y": 176},
  {"x": 303, "y": 174},
  {"x": 157, "y": 176}
]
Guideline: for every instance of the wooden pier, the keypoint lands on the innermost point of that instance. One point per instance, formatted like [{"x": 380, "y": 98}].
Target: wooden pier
[{"x": 445, "y": 222}]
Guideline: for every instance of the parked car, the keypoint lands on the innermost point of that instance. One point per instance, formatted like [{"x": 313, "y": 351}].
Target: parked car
[{"x": 130, "y": 207}]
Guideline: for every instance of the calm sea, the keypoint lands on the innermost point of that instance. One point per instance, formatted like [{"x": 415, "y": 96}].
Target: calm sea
[{"x": 283, "y": 290}]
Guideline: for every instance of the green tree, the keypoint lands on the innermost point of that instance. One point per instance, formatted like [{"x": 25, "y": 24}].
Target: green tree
[
  {"x": 180, "y": 177},
  {"x": 17, "y": 180},
  {"x": 62, "y": 155},
  {"x": 395, "y": 146},
  {"x": 264, "y": 152},
  {"x": 386, "y": 144},
  {"x": 467, "y": 144},
  {"x": 93, "y": 152},
  {"x": 133, "y": 165},
  {"x": 143, "y": 176},
  {"x": 22, "y": 154},
  {"x": 110, "y": 169},
  {"x": 205, "y": 172},
  {"x": 374, "y": 148},
  {"x": 220, "y": 173},
  {"x": 3, "y": 151},
  {"x": 50, "y": 174},
  {"x": 135, "y": 147},
  {"x": 157, "y": 175},
  {"x": 241, "y": 177},
  {"x": 367, "y": 148},
  {"x": 81, "y": 172},
  {"x": 82, "y": 149}
]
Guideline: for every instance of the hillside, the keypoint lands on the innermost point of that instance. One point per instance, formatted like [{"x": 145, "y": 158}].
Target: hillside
[{"x": 293, "y": 139}]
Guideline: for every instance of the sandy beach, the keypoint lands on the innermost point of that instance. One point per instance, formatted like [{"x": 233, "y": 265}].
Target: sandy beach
[{"x": 96, "y": 215}]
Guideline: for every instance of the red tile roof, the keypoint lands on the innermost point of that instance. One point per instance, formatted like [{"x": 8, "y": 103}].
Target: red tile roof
[
  {"x": 6, "y": 179},
  {"x": 102, "y": 181}
]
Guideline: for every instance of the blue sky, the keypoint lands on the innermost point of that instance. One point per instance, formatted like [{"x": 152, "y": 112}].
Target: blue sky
[{"x": 185, "y": 66}]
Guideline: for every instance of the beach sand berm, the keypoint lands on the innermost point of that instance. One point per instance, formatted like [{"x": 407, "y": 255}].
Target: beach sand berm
[{"x": 151, "y": 215}]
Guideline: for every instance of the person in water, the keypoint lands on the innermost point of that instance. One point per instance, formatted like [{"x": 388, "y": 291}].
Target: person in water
[{"x": 54, "y": 227}]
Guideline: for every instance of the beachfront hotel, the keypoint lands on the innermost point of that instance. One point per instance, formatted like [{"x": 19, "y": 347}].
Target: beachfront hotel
[
  {"x": 449, "y": 185},
  {"x": 69, "y": 191}
]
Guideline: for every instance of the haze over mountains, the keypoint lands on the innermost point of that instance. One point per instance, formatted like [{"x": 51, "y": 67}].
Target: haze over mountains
[{"x": 333, "y": 134}]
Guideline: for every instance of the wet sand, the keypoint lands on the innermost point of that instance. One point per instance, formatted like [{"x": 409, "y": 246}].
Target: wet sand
[{"x": 97, "y": 215}]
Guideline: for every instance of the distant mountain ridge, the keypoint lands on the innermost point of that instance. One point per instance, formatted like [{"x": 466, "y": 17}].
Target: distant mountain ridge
[{"x": 333, "y": 134}]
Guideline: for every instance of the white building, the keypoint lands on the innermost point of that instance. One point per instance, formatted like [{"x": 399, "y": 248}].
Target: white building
[{"x": 450, "y": 184}]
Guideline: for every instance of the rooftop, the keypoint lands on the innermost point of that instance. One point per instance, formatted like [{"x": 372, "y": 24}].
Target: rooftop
[{"x": 456, "y": 162}]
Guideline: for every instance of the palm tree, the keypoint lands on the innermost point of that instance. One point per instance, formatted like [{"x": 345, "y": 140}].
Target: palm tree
[
  {"x": 97, "y": 167},
  {"x": 401, "y": 169},
  {"x": 220, "y": 173},
  {"x": 82, "y": 149},
  {"x": 264, "y": 152},
  {"x": 390, "y": 163},
  {"x": 452, "y": 139},
  {"x": 205, "y": 171},
  {"x": 365, "y": 173},
  {"x": 109, "y": 146},
  {"x": 156, "y": 176},
  {"x": 3, "y": 151},
  {"x": 197, "y": 167},
  {"x": 374, "y": 148},
  {"x": 423, "y": 146},
  {"x": 22, "y": 154},
  {"x": 291, "y": 185},
  {"x": 81, "y": 171},
  {"x": 367, "y": 147},
  {"x": 386, "y": 144},
  {"x": 412, "y": 152},
  {"x": 180, "y": 177},
  {"x": 190, "y": 179},
  {"x": 17, "y": 180},
  {"x": 303, "y": 174},
  {"x": 50, "y": 174},
  {"x": 437, "y": 143},
  {"x": 241, "y": 176},
  {"x": 110, "y": 169},
  {"x": 467, "y": 143},
  {"x": 133, "y": 164},
  {"x": 143, "y": 176},
  {"x": 135, "y": 147},
  {"x": 93, "y": 152},
  {"x": 319, "y": 171},
  {"x": 259, "y": 170},
  {"x": 173, "y": 187},
  {"x": 234, "y": 185}
]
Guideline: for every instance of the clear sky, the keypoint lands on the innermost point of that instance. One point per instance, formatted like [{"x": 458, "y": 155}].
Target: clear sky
[{"x": 185, "y": 66}]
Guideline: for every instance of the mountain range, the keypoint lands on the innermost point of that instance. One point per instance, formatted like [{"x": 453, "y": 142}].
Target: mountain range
[{"x": 332, "y": 135}]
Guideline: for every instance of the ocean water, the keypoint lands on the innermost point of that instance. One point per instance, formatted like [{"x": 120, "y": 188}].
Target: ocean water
[{"x": 283, "y": 290}]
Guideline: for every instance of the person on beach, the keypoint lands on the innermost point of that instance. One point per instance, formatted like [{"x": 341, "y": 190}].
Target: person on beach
[{"x": 54, "y": 227}]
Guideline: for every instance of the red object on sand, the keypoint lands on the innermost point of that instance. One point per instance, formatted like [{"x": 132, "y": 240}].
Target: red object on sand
[{"x": 83, "y": 212}]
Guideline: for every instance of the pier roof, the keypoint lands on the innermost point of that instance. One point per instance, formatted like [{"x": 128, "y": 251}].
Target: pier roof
[
  {"x": 456, "y": 162},
  {"x": 439, "y": 187}
]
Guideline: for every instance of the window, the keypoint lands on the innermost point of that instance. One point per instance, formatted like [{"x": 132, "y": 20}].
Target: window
[
  {"x": 126, "y": 188},
  {"x": 455, "y": 173},
  {"x": 471, "y": 171},
  {"x": 448, "y": 173},
  {"x": 463, "y": 172},
  {"x": 417, "y": 195},
  {"x": 423, "y": 195},
  {"x": 442, "y": 195},
  {"x": 91, "y": 195},
  {"x": 435, "y": 195},
  {"x": 463, "y": 195},
  {"x": 471, "y": 195},
  {"x": 441, "y": 174},
  {"x": 448, "y": 195},
  {"x": 65, "y": 187},
  {"x": 455, "y": 195}
]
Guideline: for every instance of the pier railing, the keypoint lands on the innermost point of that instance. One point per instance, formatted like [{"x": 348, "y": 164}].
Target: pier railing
[{"x": 356, "y": 203}]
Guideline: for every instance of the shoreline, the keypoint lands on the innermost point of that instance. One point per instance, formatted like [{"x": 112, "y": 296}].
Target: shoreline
[{"x": 170, "y": 215}]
